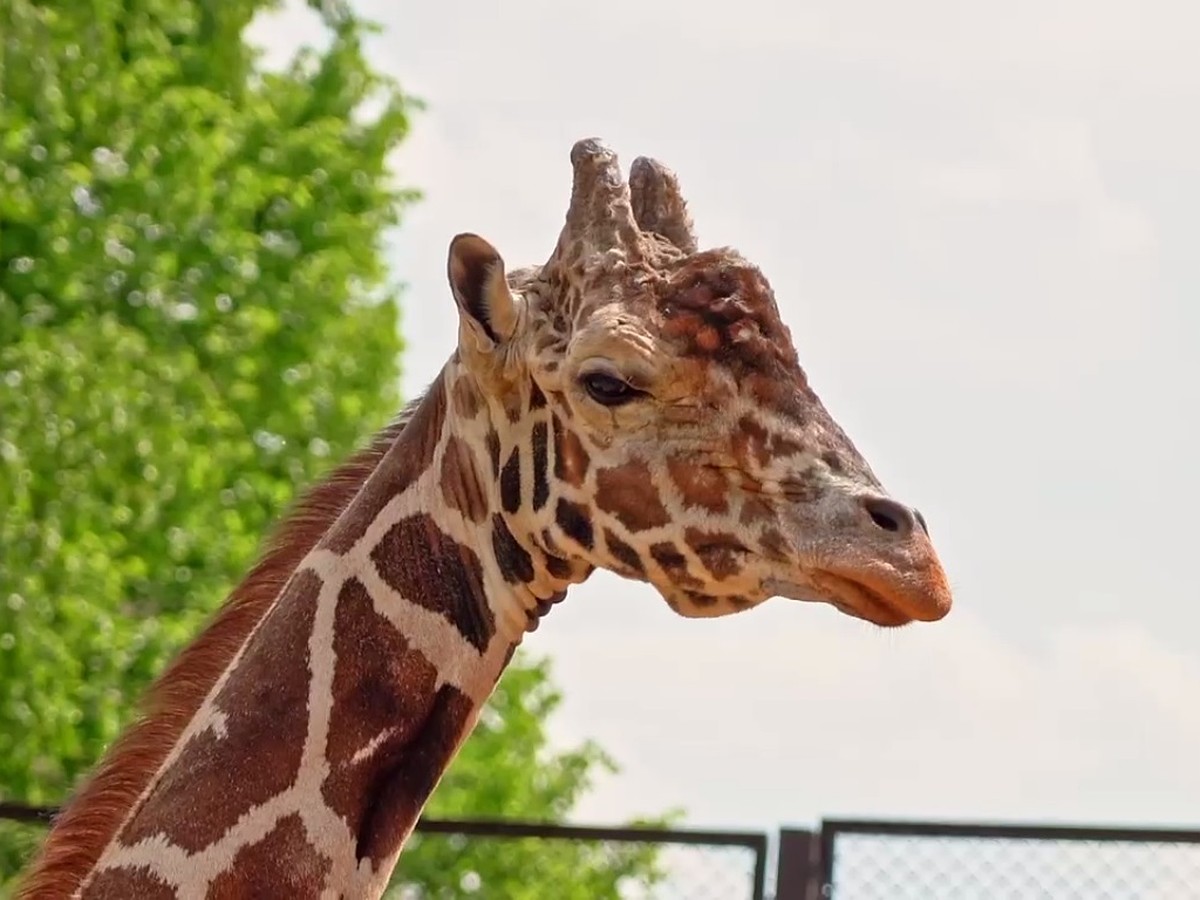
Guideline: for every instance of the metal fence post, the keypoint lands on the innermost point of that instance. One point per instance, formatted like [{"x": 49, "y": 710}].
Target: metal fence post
[{"x": 798, "y": 872}]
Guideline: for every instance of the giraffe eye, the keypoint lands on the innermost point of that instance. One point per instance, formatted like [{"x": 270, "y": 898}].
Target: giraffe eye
[{"x": 609, "y": 390}]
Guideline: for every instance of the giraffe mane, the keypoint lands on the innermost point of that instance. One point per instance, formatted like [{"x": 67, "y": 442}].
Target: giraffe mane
[{"x": 94, "y": 815}]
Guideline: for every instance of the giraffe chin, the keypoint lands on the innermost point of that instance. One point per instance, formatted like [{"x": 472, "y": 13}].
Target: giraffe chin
[{"x": 849, "y": 597}]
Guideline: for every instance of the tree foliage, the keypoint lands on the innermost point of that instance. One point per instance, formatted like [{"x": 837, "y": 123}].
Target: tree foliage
[{"x": 196, "y": 321}]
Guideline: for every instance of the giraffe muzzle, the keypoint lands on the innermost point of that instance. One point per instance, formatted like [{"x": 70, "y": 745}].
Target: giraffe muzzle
[{"x": 880, "y": 567}]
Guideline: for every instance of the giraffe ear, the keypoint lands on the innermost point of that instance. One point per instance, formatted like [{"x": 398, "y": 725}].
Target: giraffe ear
[{"x": 480, "y": 285}]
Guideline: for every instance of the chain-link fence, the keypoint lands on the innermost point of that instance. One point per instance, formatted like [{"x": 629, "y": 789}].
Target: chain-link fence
[
  {"x": 843, "y": 860},
  {"x": 924, "y": 861},
  {"x": 561, "y": 862}
]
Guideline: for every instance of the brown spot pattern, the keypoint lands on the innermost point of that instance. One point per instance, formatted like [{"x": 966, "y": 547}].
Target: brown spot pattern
[
  {"x": 757, "y": 508},
  {"x": 624, "y": 554},
  {"x": 410, "y": 456},
  {"x": 379, "y": 685},
  {"x": 400, "y": 796},
  {"x": 774, "y": 545},
  {"x": 720, "y": 553},
  {"x": 493, "y": 447},
  {"x": 699, "y": 485},
  {"x": 571, "y": 461},
  {"x": 750, "y": 444},
  {"x": 283, "y": 864},
  {"x": 510, "y": 482},
  {"x": 467, "y": 399},
  {"x": 461, "y": 486},
  {"x": 415, "y": 553},
  {"x": 541, "y": 483},
  {"x": 674, "y": 564},
  {"x": 628, "y": 492},
  {"x": 122, "y": 884},
  {"x": 514, "y": 408},
  {"x": 557, "y": 566},
  {"x": 537, "y": 399},
  {"x": 265, "y": 703},
  {"x": 575, "y": 523},
  {"x": 754, "y": 445},
  {"x": 516, "y": 565},
  {"x": 701, "y": 600}
]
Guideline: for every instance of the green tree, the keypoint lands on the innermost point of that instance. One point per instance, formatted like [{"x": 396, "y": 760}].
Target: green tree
[{"x": 195, "y": 322}]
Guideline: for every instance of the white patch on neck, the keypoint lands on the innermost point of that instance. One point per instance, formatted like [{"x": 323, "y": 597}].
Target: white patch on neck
[{"x": 367, "y": 750}]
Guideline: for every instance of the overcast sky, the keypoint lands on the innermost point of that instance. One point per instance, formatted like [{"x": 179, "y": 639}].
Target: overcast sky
[{"x": 980, "y": 223}]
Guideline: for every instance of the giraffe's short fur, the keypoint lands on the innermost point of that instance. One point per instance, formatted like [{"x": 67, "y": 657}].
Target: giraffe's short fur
[{"x": 632, "y": 404}]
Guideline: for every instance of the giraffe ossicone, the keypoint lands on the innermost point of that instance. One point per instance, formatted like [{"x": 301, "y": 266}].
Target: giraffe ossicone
[{"x": 633, "y": 404}]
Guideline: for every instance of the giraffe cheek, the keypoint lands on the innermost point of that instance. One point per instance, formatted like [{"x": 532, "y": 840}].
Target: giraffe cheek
[
  {"x": 571, "y": 460},
  {"x": 628, "y": 493},
  {"x": 699, "y": 486}
]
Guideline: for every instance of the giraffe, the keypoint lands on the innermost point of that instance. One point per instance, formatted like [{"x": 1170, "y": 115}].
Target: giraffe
[{"x": 634, "y": 404}]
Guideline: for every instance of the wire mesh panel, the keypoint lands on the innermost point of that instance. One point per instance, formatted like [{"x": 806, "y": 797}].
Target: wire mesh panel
[
  {"x": 531, "y": 862},
  {"x": 1047, "y": 864}
]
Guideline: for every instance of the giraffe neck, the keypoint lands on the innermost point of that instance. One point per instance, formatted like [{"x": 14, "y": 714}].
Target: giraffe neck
[{"x": 308, "y": 762}]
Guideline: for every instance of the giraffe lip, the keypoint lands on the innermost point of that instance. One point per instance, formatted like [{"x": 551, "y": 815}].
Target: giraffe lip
[
  {"x": 846, "y": 595},
  {"x": 867, "y": 603}
]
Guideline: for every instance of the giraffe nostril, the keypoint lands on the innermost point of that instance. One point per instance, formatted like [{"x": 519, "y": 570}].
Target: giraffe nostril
[
  {"x": 891, "y": 516},
  {"x": 921, "y": 521}
]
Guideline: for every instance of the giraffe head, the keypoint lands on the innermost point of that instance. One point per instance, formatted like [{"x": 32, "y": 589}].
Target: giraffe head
[{"x": 645, "y": 412}]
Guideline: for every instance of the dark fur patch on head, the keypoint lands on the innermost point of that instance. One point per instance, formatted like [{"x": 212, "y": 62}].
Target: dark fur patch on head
[{"x": 718, "y": 308}]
